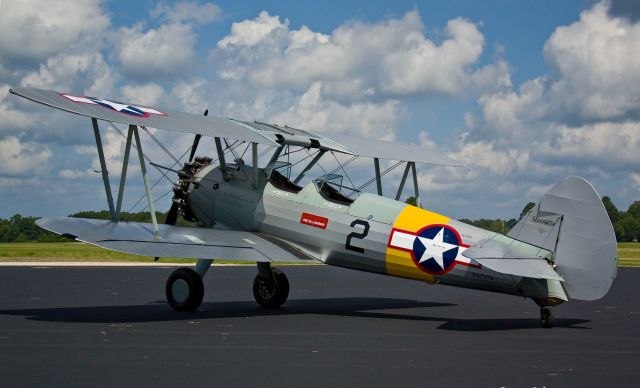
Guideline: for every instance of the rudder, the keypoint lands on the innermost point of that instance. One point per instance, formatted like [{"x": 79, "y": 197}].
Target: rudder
[{"x": 571, "y": 221}]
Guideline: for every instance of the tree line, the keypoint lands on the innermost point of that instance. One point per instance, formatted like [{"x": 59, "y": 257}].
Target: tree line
[
  {"x": 24, "y": 229},
  {"x": 18, "y": 228}
]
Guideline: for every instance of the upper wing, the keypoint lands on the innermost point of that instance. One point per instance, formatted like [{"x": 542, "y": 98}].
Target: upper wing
[
  {"x": 135, "y": 114},
  {"x": 138, "y": 238},
  {"x": 394, "y": 151}
]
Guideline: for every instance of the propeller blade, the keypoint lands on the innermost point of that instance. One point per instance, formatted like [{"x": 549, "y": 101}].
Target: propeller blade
[
  {"x": 172, "y": 215},
  {"x": 196, "y": 140}
]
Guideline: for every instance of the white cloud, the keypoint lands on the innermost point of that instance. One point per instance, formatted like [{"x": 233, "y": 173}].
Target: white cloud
[
  {"x": 18, "y": 158},
  {"x": 415, "y": 64},
  {"x": 35, "y": 29},
  {"x": 609, "y": 145},
  {"x": 192, "y": 94},
  {"x": 76, "y": 174},
  {"x": 483, "y": 154},
  {"x": 595, "y": 77},
  {"x": 312, "y": 111},
  {"x": 87, "y": 73},
  {"x": 635, "y": 178},
  {"x": 113, "y": 147},
  {"x": 187, "y": 11},
  {"x": 581, "y": 118},
  {"x": 596, "y": 64},
  {"x": 396, "y": 59},
  {"x": 152, "y": 53},
  {"x": 249, "y": 33},
  {"x": 11, "y": 118},
  {"x": 147, "y": 94}
]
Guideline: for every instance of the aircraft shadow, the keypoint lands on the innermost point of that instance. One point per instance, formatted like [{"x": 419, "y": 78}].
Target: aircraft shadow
[{"x": 363, "y": 307}]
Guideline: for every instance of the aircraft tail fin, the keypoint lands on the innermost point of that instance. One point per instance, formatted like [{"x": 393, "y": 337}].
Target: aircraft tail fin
[{"x": 570, "y": 220}]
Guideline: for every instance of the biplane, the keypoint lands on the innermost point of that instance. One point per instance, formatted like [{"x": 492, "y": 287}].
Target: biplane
[{"x": 563, "y": 248}]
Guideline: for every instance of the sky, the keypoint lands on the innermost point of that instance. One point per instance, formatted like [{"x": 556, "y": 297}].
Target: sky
[{"x": 522, "y": 93}]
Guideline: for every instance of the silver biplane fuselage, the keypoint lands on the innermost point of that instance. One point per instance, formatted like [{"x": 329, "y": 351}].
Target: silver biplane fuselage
[
  {"x": 371, "y": 233},
  {"x": 563, "y": 248}
]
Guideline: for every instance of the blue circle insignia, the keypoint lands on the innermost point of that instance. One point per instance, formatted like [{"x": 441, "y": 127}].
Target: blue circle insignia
[{"x": 435, "y": 248}]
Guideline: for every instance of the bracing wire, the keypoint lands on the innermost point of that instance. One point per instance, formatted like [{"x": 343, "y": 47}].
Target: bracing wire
[{"x": 370, "y": 181}]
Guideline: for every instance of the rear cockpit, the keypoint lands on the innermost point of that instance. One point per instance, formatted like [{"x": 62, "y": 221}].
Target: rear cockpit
[{"x": 329, "y": 186}]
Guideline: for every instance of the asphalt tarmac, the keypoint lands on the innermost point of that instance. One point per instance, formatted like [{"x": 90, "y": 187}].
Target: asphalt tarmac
[{"x": 111, "y": 327}]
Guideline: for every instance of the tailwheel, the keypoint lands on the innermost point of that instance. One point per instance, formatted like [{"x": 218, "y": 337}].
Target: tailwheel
[
  {"x": 271, "y": 291},
  {"x": 184, "y": 289},
  {"x": 546, "y": 316}
]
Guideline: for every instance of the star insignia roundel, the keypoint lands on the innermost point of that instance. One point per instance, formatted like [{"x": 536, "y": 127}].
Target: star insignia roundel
[{"x": 435, "y": 248}]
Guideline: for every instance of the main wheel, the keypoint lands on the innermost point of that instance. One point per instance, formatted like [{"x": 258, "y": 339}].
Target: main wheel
[
  {"x": 271, "y": 292},
  {"x": 546, "y": 316},
  {"x": 184, "y": 289}
]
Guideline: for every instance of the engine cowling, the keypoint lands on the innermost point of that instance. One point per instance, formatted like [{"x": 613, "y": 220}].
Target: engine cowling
[{"x": 188, "y": 178}]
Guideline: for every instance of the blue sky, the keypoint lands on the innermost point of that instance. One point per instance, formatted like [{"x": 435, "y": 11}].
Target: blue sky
[{"x": 523, "y": 93}]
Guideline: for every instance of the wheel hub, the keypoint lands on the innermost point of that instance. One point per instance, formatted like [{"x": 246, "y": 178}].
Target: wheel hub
[
  {"x": 267, "y": 289},
  {"x": 180, "y": 290}
]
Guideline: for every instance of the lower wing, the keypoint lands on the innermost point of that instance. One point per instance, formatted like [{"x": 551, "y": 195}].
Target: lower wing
[{"x": 138, "y": 238}]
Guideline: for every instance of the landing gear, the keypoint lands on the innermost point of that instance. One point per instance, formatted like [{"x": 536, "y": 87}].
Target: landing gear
[
  {"x": 270, "y": 287},
  {"x": 185, "y": 289},
  {"x": 546, "y": 316}
]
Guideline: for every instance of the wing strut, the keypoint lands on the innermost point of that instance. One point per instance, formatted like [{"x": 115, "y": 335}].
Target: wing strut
[
  {"x": 123, "y": 176},
  {"x": 103, "y": 167},
  {"x": 145, "y": 178},
  {"x": 221, "y": 160},
  {"x": 115, "y": 211},
  {"x": 404, "y": 179},
  {"x": 309, "y": 166},
  {"x": 416, "y": 191},
  {"x": 376, "y": 165},
  {"x": 254, "y": 156}
]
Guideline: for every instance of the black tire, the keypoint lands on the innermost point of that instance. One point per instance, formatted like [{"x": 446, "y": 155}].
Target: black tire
[
  {"x": 271, "y": 292},
  {"x": 546, "y": 317},
  {"x": 184, "y": 289}
]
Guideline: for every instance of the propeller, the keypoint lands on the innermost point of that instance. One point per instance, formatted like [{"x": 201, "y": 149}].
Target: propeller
[{"x": 172, "y": 215}]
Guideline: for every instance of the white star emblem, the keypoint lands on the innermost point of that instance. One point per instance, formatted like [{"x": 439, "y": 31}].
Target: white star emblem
[
  {"x": 435, "y": 248},
  {"x": 114, "y": 105}
]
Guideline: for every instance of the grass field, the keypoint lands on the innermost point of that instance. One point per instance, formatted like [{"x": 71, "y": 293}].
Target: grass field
[
  {"x": 69, "y": 251},
  {"x": 629, "y": 254}
]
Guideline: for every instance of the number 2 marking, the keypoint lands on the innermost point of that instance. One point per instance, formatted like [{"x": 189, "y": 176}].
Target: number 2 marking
[{"x": 358, "y": 235}]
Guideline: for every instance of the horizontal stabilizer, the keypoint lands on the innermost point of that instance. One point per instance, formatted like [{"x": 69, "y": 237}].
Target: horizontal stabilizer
[
  {"x": 527, "y": 267},
  {"x": 200, "y": 243},
  {"x": 508, "y": 256}
]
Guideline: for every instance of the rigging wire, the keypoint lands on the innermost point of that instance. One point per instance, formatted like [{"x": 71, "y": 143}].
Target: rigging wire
[
  {"x": 159, "y": 143},
  {"x": 226, "y": 150},
  {"x": 156, "y": 183},
  {"x": 343, "y": 170},
  {"x": 133, "y": 144},
  {"x": 373, "y": 179}
]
